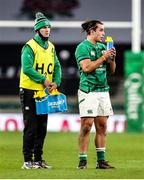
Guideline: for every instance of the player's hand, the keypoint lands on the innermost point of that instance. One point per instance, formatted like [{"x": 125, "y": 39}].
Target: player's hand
[
  {"x": 113, "y": 52},
  {"x": 110, "y": 54},
  {"x": 52, "y": 86}
]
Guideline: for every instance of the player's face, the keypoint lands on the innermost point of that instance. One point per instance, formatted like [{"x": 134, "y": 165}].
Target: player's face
[
  {"x": 45, "y": 31},
  {"x": 99, "y": 33}
]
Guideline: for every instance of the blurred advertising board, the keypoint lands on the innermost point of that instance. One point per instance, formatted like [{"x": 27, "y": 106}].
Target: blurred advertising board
[
  {"x": 59, "y": 122},
  {"x": 134, "y": 91}
]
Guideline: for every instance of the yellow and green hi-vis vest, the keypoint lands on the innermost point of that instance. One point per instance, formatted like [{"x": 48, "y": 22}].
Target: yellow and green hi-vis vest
[{"x": 43, "y": 63}]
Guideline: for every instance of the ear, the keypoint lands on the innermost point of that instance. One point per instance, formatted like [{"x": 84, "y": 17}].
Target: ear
[{"x": 92, "y": 31}]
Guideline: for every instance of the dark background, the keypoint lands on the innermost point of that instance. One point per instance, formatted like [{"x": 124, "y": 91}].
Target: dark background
[
  {"x": 11, "y": 61},
  {"x": 64, "y": 39}
]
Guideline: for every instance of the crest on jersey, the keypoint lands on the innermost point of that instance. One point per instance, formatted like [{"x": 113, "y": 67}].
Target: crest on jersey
[{"x": 92, "y": 53}]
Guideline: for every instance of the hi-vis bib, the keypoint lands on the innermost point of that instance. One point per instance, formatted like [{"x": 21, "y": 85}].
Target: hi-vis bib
[{"x": 43, "y": 63}]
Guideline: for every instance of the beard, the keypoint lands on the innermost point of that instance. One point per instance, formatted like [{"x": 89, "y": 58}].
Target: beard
[{"x": 42, "y": 37}]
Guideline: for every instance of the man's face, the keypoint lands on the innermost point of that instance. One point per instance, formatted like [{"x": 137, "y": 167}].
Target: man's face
[
  {"x": 45, "y": 31},
  {"x": 99, "y": 33}
]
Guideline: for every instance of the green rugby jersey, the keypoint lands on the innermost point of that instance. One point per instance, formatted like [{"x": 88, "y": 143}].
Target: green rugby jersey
[{"x": 96, "y": 81}]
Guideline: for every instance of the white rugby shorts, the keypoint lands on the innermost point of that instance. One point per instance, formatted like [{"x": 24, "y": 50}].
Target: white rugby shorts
[{"x": 94, "y": 104}]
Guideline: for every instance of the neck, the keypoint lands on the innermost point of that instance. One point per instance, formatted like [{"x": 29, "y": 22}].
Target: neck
[{"x": 91, "y": 39}]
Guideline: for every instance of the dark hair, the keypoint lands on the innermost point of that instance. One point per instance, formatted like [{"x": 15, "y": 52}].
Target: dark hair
[{"x": 90, "y": 25}]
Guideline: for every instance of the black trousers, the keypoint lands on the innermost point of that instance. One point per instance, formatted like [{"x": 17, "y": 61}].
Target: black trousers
[{"x": 35, "y": 127}]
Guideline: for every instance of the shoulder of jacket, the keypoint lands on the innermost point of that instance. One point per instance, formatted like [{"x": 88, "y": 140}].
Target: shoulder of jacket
[
  {"x": 32, "y": 44},
  {"x": 51, "y": 44},
  {"x": 30, "y": 41}
]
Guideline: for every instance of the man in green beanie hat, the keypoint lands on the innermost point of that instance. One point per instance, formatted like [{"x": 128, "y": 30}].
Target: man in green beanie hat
[
  {"x": 41, "y": 21},
  {"x": 40, "y": 69}
]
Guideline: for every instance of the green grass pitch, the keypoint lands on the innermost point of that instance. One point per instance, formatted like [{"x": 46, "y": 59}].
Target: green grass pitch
[{"x": 124, "y": 151}]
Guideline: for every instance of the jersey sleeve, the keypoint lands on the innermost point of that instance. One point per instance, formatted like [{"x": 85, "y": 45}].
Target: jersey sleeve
[
  {"x": 57, "y": 70},
  {"x": 82, "y": 53}
]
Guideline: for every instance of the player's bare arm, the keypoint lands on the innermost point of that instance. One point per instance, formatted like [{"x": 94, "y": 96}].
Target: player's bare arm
[{"x": 88, "y": 66}]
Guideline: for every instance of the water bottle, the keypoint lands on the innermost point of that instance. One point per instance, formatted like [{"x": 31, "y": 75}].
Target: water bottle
[{"x": 109, "y": 42}]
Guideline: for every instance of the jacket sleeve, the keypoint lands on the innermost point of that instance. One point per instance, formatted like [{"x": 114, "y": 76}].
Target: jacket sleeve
[
  {"x": 57, "y": 75},
  {"x": 27, "y": 61}
]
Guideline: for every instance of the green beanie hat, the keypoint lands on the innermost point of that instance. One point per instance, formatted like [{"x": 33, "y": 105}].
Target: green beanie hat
[{"x": 41, "y": 21}]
